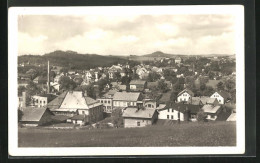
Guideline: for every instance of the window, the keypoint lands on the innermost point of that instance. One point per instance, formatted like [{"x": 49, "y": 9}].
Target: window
[
  {"x": 167, "y": 116},
  {"x": 138, "y": 123},
  {"x": 105, "y": 101},
  {"x": 172, "y": 110},
  {"x": 168, "y": 110},
  {"x": 192, "y": 116},
  {"x": 101, "y": 101},
  {"x": 108, "y": 101},
  {"x": 180, "y": 99},
  {"x": 83, "y": 112},
  {"x": 172, "y": 117},
  {"x": 149, "y": 105},
  {"x": 143, "y": 120},
  {"x": 152, "y": 106}
]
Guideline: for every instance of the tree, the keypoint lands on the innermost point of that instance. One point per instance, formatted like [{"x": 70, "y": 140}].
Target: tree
[
  {"x": 20, "y": 114},
  {"x": 230, "y": 85},
  {"x": 162, "y": 86},
  {"x": 153, "y": 76},
  {"x": 102, "y": 84},
  {"x": 220, "y": 86},
  {"x": 90, "y": 91},
  {"x": 125, "y": 80},
  {"x": 67, "y": 83},
  {"x": 211, "y": 75},
  {"x": 117, "y": 76},
  {"x": 78, "y": 80},
  {"x": 178, "y": 87},
  {"x": 201, "y": 116},
  {"x": 20, "y": 90},
  {"x": 168, "y": 74},
  {"x": 202, "y": 87},
  {"x": 173, "y": 97}
]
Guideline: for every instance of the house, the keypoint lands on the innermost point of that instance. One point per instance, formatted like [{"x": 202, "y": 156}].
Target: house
[
  {"x": 137, "y": 117},
  {"x": 222, "y": 96},
  {"x": 183, "y": 112},
  {"x": 77, "y": 119},
  {"x": 36, "y": 80},
  {"x": 36, "y": 116},
  {"x": 177, "y": 60},
  {"x": 72, "y": 103},
  {"x": 126, "y": 99},
  {"x": 107, "y": 101},
  {"x": 42, "y": 99},
  {"x": 137, "y": 85},
  {"x": 55, "y": 86},
  {"x": 202, "y": 100},
  {"x": 151, "y": 104},
  {"x": 211, "y": 111},
  {"x": 185, "y": 95}
]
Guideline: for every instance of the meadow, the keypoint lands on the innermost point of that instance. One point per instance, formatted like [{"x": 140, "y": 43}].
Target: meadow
[{"x": 184, "y": 134}]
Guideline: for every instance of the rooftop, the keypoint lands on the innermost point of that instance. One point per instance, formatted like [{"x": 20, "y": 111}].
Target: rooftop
[
  {"x": 139, "y": 82},
  {"x": 33, "y": 114},
  {"x": 126, "y": 96},
  {"x": 188, "y": 91},
  {"x": 210, "y": 108},
  {"x": 138, "y": 113}
]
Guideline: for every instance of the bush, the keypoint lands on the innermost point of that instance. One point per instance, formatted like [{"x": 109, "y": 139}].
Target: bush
[{"x": 201, "y": 116}]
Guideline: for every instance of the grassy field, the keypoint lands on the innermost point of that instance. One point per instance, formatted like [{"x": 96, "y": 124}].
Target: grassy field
[{"x": 186, "y": 134}]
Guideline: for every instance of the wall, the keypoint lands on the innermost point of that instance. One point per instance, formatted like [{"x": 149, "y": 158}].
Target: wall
[
  {"x": 183, "y": 97},
  {"x": 163, "y": 114},
  {"x": 133, "y": 122},
  {"x": 123, "y": 103},
  {"x": 107, "y": 104},
  {"x": 220, "y": 99}
]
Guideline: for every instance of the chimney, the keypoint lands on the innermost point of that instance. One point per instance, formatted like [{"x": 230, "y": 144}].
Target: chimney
[
  {"x": 48, "y": 77},
  {"x": 24, "y": 99}
]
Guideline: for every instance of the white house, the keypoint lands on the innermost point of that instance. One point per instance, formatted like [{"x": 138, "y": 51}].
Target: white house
[
  {"x": 222, "y": 96},
  {"x": 185, "y": 95},
  {"x": 211, "y": 111},
  {"x": 184, "y": 112},
  {"x": 126, "y": 99}
]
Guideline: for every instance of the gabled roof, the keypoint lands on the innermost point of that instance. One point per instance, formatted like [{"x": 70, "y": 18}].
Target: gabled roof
[
  {"x": 210, "y": 108},
  {"x": 126, "y": 96},
  {"x": 183, "y": 107},
  {"x": 110, "y": 93},
  {"x": 131, "y": 112},
  {"x": 54, "y": 104},
  {"x": 77, "y": 117},
  {"x": 186, "y": 90},
  {"x": 33, "y": 114},
  {"x": 137, "y": 82},
  {"x": 224, "y": 94},
  {"x": 76, "y": 100}
]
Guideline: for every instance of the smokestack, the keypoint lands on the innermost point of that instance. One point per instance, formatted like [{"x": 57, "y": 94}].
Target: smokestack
[
  {"x": 48, "y": 76},
  {"x": 24, "y": 99}
]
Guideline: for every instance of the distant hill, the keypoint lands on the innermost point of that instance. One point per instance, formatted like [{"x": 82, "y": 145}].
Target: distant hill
[
  {"x": 72, "y": 59},
  {"x": 159, "y": 54}
]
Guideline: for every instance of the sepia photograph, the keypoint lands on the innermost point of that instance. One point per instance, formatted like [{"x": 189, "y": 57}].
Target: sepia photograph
[{"x": 146, "y": 80}]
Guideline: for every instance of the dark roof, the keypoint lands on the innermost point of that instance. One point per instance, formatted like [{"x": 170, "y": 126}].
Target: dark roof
[
  {"x": 60, "y": 117},
  {"x": 132, "y": 112},
  {"x": 224, "y": 94},
  {"x": 137, "y": 82},
  {"x": 166, "y": 97},
  {"x": 126, "y": 96},
  {"x": 151, "y": 84},
  {"x": 78, "y": 117},
  {"x": 33, "y": 114},
  {"x": 188, "y": 91},
  {"x": 183, "y": 107},
  {"x": 54, "y": 104}
]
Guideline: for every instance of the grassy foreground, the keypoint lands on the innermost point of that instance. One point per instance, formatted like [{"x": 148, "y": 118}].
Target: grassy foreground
[{"x": 190, "y": 134}]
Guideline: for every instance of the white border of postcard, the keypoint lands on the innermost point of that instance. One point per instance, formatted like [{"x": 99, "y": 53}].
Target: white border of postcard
[{"x": 13, "y": 12}]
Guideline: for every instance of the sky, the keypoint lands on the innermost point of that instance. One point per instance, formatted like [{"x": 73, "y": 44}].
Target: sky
[{"x": 127, "y": 34}]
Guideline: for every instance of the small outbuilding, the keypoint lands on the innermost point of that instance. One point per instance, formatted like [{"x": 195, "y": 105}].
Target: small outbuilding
[{"x": 34, "y": 116}]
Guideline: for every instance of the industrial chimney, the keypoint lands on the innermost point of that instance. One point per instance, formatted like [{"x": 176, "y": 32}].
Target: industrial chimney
[{"x": 48, "y": 78}]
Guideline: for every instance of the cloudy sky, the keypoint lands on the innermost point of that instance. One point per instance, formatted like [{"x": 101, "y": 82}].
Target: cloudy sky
[{"x": 124, "y": 35}]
